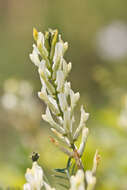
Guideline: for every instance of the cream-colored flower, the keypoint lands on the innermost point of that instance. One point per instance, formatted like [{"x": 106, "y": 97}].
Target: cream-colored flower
[
  {"x": 63, "y": 101},
  {"x": 66, "y": 67},
  {"x": 77, "y": 181},
  {"x": 43, "y": 68},
  {"x": 59, "y": 80},
  {"x": 44, "y": 75},
  {"x": 48, "y": 118},
  {"x": 83, "y": 119},
  {"x": 65, "y": 44},
  {"x": 34, "y": 56},
  {"x": 67, "y": 120},
  {"x": 40, "y": 39},
  {"x": 49, "y": 101},
  {"x": 90, "y": 179},
  {"x": 85, "y": 132},
  {"x": 41, "y": 44},
  {"x": 34, "y": 178},
  {"x": 74, "y": 98},
  {"x": 27, "y": 186},
  {"x": 84, "y": 115},
  {"x": 96, "y": 161},
  {"x": 58, "y": 53},
  {"x": 67, "y": 87},
  {"x": 59, "y": 97}
]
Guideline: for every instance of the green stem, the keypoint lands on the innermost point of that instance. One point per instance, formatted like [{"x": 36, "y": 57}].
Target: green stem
[
  {"x": 77, "y": 157},
  {"x": 56, "y": 93}
]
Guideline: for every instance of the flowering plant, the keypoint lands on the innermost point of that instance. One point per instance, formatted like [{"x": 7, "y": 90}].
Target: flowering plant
[{"x": 60, "y": 99}]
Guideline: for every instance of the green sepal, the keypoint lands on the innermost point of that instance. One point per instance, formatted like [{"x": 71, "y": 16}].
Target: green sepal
[{"x": 53, "y": 43}]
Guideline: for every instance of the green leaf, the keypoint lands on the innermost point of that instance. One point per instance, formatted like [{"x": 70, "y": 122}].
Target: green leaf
[
  {"x": 60, "y": 170},
  {"x": 73, "y": 168},
  {"x": 61, "y": 177},
  {"x": 63, "y": 185}
]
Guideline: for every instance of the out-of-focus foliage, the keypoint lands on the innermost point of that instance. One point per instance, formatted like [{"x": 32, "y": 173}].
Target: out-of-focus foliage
[{"x": 97, "y": 35}]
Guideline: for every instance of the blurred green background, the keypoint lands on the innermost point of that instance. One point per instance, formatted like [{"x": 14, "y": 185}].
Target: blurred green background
[{"x": 97, "y": 35}]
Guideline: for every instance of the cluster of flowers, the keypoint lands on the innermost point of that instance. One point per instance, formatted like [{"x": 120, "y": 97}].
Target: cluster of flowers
[
  {"x": 35, "y": 179},
  {"x": 60, "y": 99}
]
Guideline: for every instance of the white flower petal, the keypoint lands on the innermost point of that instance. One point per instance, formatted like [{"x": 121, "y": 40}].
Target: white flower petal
[
  {"x": 74, "y": 98},
  {"x": 91, "y": 180},
  {"x": 85, "y": 132},
  {"x": 57, "y": 56},
  {"x": 48, "y": 100},
  {"x": 44, "y": 74},
  {"x": 34, "y": 177},
  {"x": 67, "y": 87},
  {"x": 41, "y": 42},
  {"x": 40, "y": 39},
  {"x": 35, "y": 58},
  {"x": 67, "y": 120},
  {"x": 77, "y": 181},
  {"x": 62, "y": 101},
  {"x": 27, "y": 186},
  {"x": 58, "y": 51},
  {"x": 69, "y": 66},
  {"x": 48, "y": 118},
  {"x": 66, "y": 67},
  {"x": 29, "y": 176},
  {"x": 83, "y": 119},
  {"x": 84, "y": 115},
  {"x": 59, "y": 80},
  {"x": 65, "y": 44},
  {"x": 36, "y": 49},
  {"x": 53, "y": 101},
  {"x": 95, "y": 162},
  {"x": 43, "y": 68}
]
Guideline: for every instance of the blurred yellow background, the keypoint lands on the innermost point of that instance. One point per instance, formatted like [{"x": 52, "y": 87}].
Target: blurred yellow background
[{"x": 97, "y": 35}]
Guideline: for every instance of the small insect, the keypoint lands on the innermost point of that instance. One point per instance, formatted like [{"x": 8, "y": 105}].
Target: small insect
[{"x": 35, "y": 156}]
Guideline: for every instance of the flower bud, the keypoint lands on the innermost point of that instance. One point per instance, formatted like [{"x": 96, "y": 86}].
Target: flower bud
[
  {"x": 83, "y": 119},
  {"x": 48, "y": 117},
  {"x": 34, "y": 178},
  {"x": 59, "y": 80},
  {"x": 77, "y": 181},
  {"x": 85, "y": 132},
  {"x": 90, "y": 179},
  {"x": 62, "y": 101},
  {"x": 35, "y": 34}
]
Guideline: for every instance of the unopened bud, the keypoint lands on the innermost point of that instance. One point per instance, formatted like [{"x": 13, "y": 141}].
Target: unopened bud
[{"x": 35, "y": 34}]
